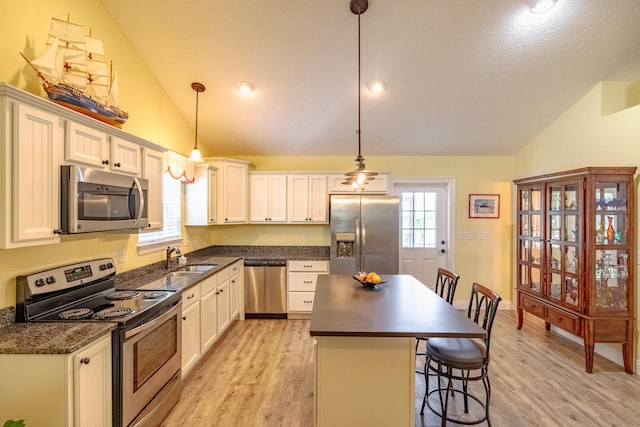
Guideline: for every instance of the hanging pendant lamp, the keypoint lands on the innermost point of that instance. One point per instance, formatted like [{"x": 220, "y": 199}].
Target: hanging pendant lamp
[
  {"x": 360, "y": 175},
  {"x": 195, "y": 153}
]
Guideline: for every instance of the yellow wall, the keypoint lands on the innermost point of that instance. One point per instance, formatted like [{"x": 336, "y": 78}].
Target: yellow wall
[
  {"x": 588, "y": 134},
  {"x": 155, "y": 118}
]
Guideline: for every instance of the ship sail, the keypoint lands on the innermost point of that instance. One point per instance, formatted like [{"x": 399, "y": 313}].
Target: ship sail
[{"x": 75, "y": 73}]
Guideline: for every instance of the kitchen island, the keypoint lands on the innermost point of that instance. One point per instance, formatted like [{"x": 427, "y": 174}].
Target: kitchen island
[{"x": 365, "y": 347}]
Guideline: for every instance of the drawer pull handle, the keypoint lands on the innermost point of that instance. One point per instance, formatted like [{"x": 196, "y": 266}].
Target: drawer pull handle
[
  {"x": 191, "y": 296},
  {"x": 308, "y": 302},
  {"x": 307, "y": 281}
]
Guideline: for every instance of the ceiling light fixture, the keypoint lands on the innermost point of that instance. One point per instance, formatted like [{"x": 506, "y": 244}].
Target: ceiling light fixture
[
  {"x": 195, "y": 153},
  {"x": 361, "y": 175},
  {"x": 541, "y": 6},
  {"x": 377, "y": 86},
  {"x": 245, "y": 87}
]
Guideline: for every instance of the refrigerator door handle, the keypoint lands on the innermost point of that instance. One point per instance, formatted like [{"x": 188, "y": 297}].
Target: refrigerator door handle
[
  {"x": 363, "y": 242},
  {"x": 358, "y": 246}
]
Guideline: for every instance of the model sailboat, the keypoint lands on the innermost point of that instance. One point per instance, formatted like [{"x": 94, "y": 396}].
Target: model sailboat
[{"x": 75, "y": 73}]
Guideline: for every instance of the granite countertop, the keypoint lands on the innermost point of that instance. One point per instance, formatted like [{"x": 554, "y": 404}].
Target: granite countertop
[
  {"x": 51, "y": 338},
  {"x": 67, "y": 337}
]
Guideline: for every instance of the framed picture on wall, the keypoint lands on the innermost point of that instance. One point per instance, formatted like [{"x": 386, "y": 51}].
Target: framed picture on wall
[{"x": 484, "y": 206}]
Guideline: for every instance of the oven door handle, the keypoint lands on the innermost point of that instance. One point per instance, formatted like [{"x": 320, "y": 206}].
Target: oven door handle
[{"x": 153, "y": 323}]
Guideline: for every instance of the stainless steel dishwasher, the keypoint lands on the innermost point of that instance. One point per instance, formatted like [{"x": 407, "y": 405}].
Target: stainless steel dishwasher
[{"x": 265, "y": 288}]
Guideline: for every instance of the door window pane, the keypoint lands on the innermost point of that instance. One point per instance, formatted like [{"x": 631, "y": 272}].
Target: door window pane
[{"x": 418, "y": 219}]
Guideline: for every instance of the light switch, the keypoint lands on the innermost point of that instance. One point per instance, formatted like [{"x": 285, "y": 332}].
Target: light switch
[
  {"x": 465, "y": 235},
  {"x": 485, "y": 235}
]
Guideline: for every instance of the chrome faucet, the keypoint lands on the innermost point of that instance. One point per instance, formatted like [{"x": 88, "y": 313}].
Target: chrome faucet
[{"x": 171, "y": 250}]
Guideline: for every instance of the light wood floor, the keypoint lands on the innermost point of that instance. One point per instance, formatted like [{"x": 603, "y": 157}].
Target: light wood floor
[{"x": 261, "y": 374}]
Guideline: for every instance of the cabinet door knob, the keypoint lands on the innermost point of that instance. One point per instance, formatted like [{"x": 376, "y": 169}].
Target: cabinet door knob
[
  {"x": 85, "y": 361},
  {"x": 184, "y": 317},
  {"x": 105, "y": 162},
  {"x": 117, "y": 164}
]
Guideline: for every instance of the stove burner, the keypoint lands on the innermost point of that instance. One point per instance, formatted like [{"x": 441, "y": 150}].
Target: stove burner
[
  {"x": 154, "y": 295},
  {"x": 121, "y": 295},
  {"x": 113, "y": 313},
  {"x": 76, "y": 313}
]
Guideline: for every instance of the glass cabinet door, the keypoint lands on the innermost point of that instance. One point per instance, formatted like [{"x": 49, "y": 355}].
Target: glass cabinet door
[
  {"x": 564, "y": 243},
  {"x": 530, "y": 239},
  {"x": 612, "y": 246}
]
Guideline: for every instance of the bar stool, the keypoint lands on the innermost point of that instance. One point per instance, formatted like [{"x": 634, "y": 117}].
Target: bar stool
[
  {"x": 446, "y": 283},
  {"x": 462, "y": 360}
]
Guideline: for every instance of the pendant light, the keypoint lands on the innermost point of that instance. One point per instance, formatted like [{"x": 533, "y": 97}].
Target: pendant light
[
  {"x": 360, "y": 175},
  {"x": 195, "y": 153}
]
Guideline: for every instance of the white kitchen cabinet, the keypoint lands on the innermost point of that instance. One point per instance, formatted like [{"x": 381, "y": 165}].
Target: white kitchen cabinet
[
  {"x": 232, "y": 190},
  {"x": 92, "y": 147},
  {"x": 236, "y": 286},
  {"x": 379, "y": 185},
  {"x": 30, "y": 162},
  {"x": 201, "y": 196},
  {"x": 59, "y": 390},
  {"x": 268, "y": 194},
  {"x": 190, "y": 328},
  {"x": 301, "y": 282},
  {"x": 224, "y": 301},
  {"x": 153, "y": 167},
  {"x": 307, "y": 199},
  {"x": 208, "y": 313}
]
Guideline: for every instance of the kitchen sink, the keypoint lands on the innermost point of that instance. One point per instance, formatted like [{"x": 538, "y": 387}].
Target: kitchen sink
[
  {"x": 183, "y": 273},
  {"x": 197, "y": 268}
]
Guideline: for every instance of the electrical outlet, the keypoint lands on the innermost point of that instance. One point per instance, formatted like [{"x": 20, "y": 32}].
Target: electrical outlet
[{"x": 120, "y": 255}]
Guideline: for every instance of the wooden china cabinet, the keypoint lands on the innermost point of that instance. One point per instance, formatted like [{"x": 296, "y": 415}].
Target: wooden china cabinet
[{"x": 576, "y": 254}]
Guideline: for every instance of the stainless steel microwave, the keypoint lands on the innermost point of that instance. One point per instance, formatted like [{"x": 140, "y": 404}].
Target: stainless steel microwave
[{"x": 97, "y": 200}]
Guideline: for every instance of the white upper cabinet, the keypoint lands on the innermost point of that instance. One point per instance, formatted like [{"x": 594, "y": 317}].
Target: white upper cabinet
[
  {"x": 268, "y": 194},
  {"x": 31, "y": 175},
  {"x": 379, "y": 185},
  {"x": 126, "y": 157},
  {"x": 307, "y": 199},
  {"x": 201, "y": 196},
  {"x": 153, "y": 166},
  {"x": 232, "y": 190},
  {"x": 95, "y": 148}
]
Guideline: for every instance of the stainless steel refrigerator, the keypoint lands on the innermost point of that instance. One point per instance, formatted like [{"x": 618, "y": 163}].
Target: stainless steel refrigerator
[{"x": 364, "y": 234}]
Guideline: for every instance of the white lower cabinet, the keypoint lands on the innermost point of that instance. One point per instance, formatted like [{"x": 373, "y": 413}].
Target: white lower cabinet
[
  {"x": 301, "y": 282},
  {"x": 59, "y": 390},
  {"x": 208, "y": 313},
  {"x": 224, "y": 301},
  {"x": 208, "y": 309},
  {"x": 190, "y": 328},
  {"x": 236, "y": 285}
]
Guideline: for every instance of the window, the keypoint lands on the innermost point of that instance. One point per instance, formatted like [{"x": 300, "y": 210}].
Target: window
[
  {"x": 418, "y": 219},
  {"x": 172, "y": 222}
]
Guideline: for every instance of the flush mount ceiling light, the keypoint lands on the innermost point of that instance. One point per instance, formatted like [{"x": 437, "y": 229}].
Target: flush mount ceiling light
[
  {"x": 195, "y": 153},
  {"x": 377, "y": 86},
  {"x": 360, "y": 175},
  {"x": 245, "y": 87},
  {"x": 541, "y": 6}
]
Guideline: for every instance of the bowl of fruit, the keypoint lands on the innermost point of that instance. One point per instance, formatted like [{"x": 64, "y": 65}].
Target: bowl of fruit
[{"x": 369, "y": 280}]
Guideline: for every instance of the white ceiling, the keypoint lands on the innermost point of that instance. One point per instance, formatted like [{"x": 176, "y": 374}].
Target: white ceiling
[{"x": 471, "y": 77}]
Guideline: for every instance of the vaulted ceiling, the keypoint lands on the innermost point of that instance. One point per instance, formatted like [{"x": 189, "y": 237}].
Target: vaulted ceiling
[{"x": 465, "y": 77}]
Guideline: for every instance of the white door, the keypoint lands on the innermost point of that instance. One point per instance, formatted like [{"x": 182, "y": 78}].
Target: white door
[{"x": 425, "y": 229}]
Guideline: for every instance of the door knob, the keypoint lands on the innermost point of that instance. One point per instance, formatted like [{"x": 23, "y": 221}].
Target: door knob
[{"x": 442, "y": 251}]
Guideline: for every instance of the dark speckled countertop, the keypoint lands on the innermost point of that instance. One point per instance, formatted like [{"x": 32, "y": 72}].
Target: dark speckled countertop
[{"x": 67, "y": 337}]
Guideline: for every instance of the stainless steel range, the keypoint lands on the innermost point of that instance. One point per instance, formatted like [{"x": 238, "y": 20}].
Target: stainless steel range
[{"x": 146, "y": 344}]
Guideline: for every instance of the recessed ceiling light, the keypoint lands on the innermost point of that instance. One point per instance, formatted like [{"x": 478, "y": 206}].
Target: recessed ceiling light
[
  {"x": 245, "y": 87},
  {"x": 377, "y": 86},
  {"x": 541, "y": 6}
]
